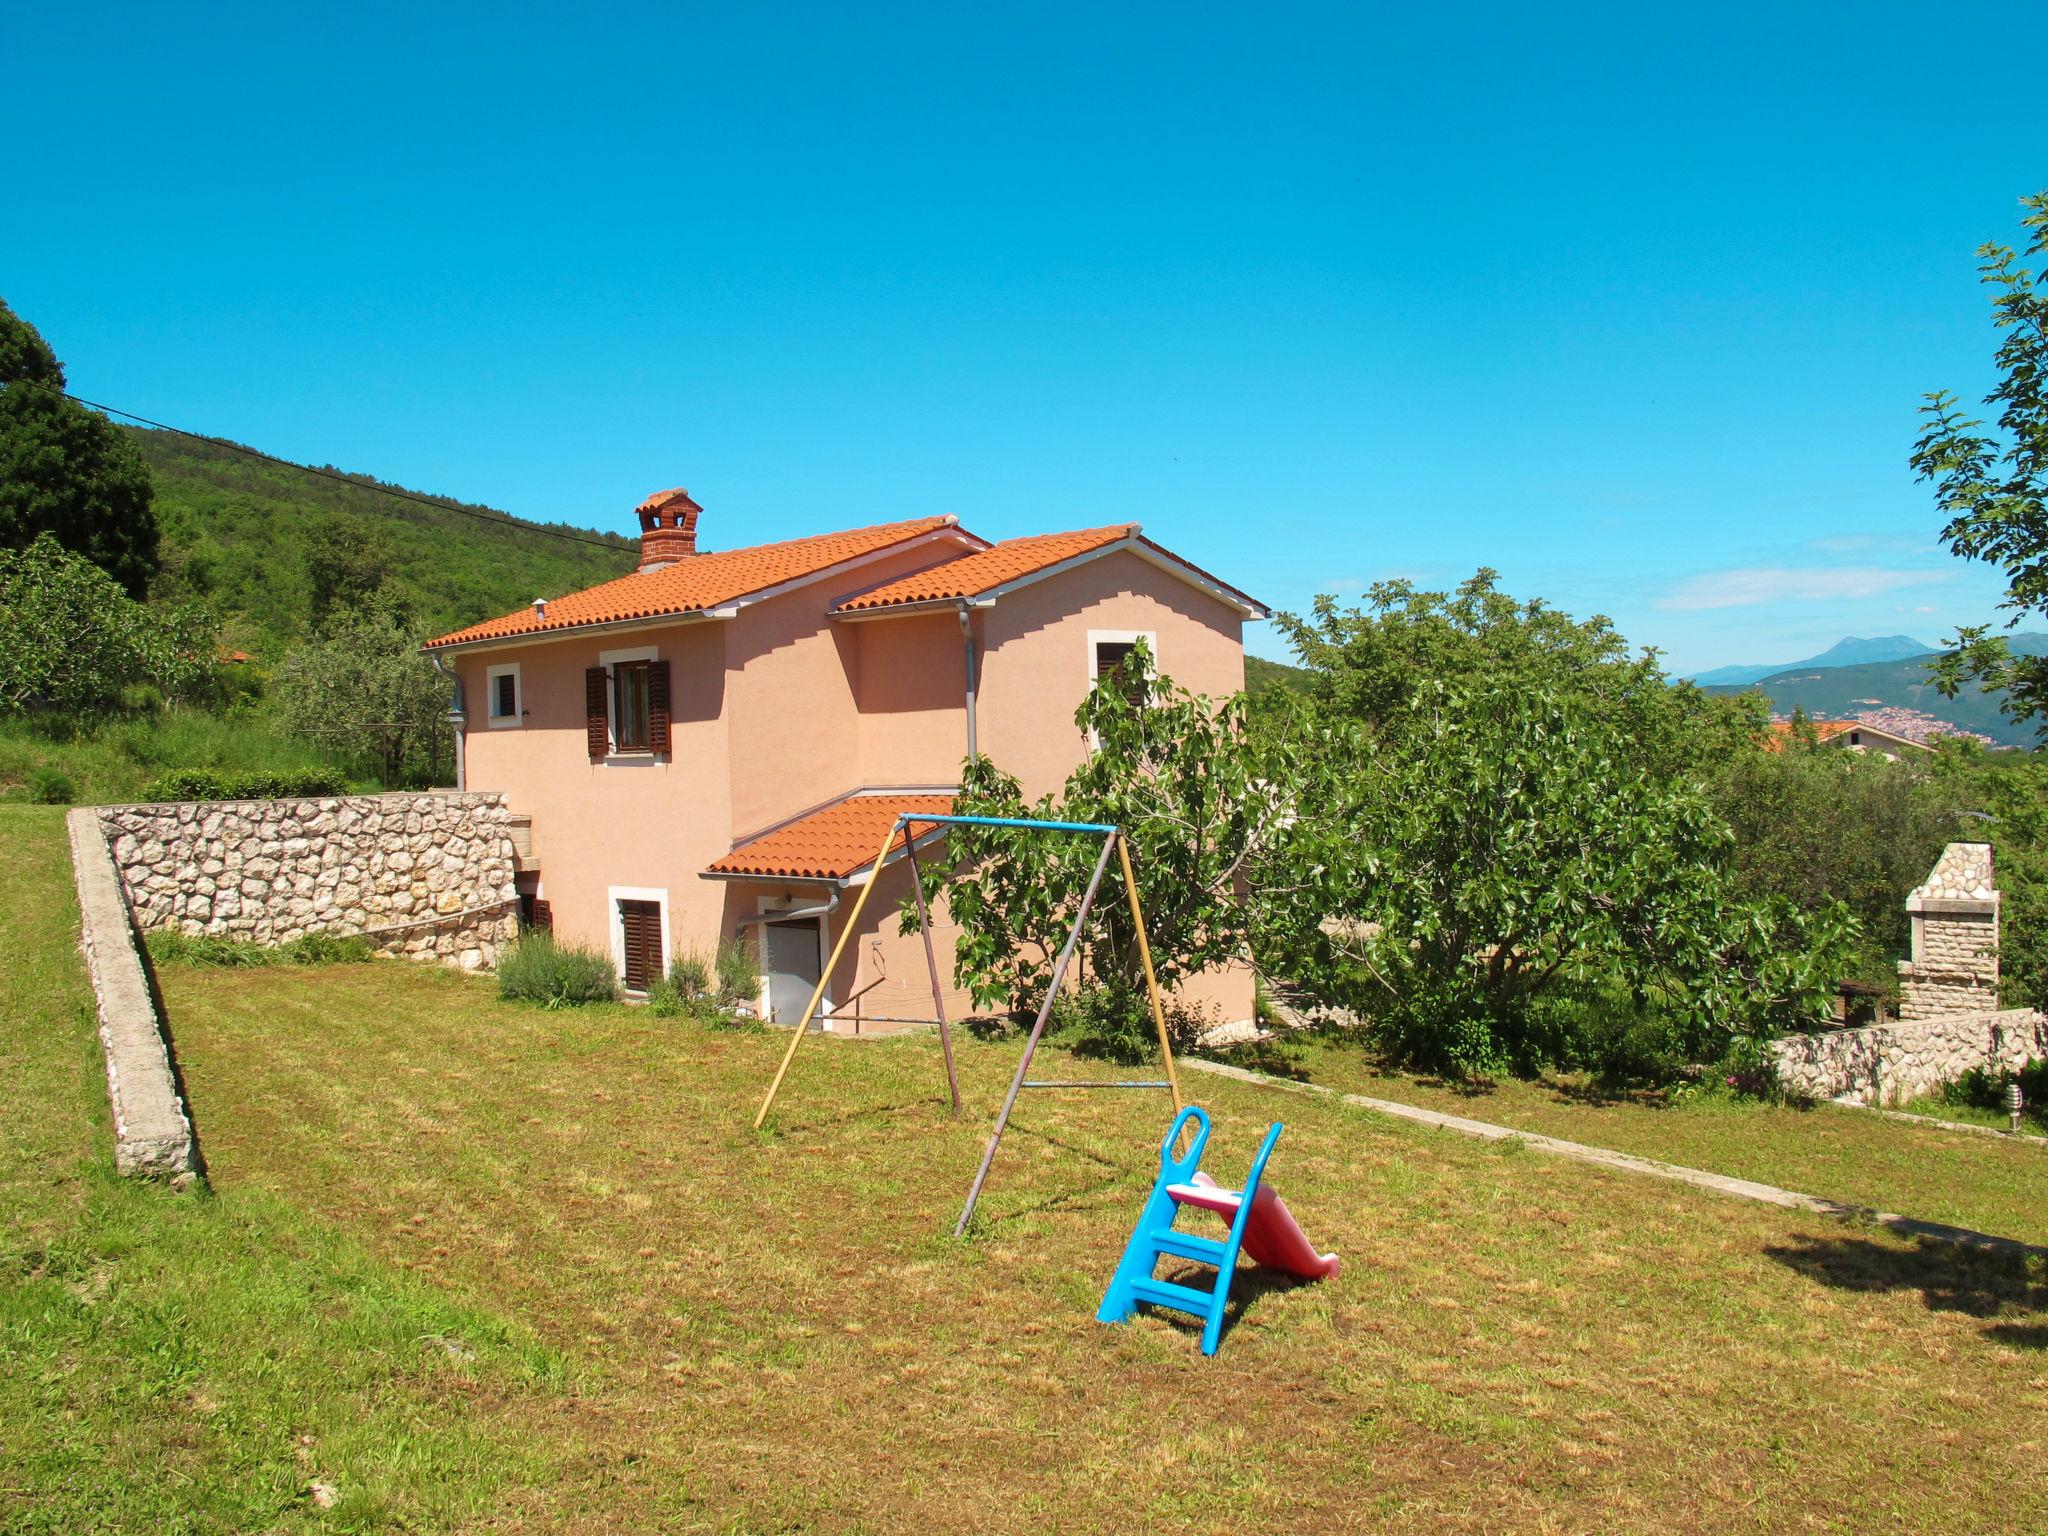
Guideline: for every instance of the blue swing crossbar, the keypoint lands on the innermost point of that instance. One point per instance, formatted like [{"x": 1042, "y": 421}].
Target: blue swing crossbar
[
  {"x": 909, "y": 819},
  {"x": 1155, "y": 1236}
]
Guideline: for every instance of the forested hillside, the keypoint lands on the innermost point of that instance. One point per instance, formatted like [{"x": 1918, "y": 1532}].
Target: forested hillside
[{"x": 244, "y": 536}]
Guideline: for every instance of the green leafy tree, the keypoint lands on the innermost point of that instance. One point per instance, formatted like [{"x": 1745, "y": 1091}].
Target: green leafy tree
[
  {"x": 348, "y": 561},
  {"x": 1369, "y": 664},
  {"x": 362, "y": 687},
  {"x": 1191, "y": 789},
  {"x": 1814, "y": 825},
  {"x": 67, "y": 471},
  {"x": 69, "y": 636},
  {"x": 1994, "y": 488},
  {"x": 1503, "y": 841}
]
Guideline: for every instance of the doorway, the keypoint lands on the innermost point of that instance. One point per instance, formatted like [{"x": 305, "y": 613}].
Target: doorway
[{"x": 793, "y": 966}]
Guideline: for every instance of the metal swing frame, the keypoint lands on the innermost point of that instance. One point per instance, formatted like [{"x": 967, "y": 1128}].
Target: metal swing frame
[{"x": 1112, "y": 840}]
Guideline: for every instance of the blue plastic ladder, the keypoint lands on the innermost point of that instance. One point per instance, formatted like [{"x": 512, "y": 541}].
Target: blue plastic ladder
[{"x": 1155, "y": 1235}]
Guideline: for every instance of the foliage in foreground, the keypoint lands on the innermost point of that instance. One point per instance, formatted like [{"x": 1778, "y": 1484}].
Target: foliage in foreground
[
  {"x": 71, "y": 640},
  {"x": 1504, "y": 842},
  {"x": 538, "y": 970},
  {"x": 68, "y": 473},
  {"x": 1994, "y": 489}
]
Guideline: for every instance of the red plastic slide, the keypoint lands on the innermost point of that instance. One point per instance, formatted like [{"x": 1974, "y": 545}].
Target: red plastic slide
[{"x": 1272, "y": 1236}]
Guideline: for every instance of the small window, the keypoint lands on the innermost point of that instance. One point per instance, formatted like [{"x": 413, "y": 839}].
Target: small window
[
  {"x": 501, "y": 688},
  {"x": 1111, "y": 657},
  {"x": 630, "y": 712}
]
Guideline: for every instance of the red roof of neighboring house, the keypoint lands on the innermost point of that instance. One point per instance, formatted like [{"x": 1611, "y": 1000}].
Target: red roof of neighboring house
[
  {"x": 1780, "y": 733},
  {"x": 698, "y": 582},
  {"x": 987, "y": 570},
  {"x": 833, "y": 842}
]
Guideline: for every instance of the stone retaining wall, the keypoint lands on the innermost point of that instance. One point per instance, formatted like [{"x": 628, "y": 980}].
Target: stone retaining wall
[
  {"x": 152, "y": 1132},
  {"x": 428, "y": 876},
  {"x": 1891, "y": 1063}
]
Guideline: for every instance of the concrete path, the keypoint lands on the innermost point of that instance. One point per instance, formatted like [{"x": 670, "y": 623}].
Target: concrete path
[{"x": 1720, "y": 1184}]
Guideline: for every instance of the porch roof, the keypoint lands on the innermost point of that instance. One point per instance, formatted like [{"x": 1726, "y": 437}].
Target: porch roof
[{"x": 832, "y": 842}]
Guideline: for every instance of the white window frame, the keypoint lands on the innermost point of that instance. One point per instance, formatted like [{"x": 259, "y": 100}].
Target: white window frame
[
  {"x": 613, "y": 895},
  {"x": 766, "y": 906},
  {"x": 1100, "y": 637},
  {"x": 608, "y": 660},
  {"x": 491, "y": 675}
]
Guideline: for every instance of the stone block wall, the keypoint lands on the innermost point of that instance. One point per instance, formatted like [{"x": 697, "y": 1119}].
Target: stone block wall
[
  {"x": 1890, "y": 1063},
  {"x": 426, "y": 875}
]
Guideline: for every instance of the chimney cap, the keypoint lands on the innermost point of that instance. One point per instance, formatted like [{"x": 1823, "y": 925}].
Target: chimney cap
[
  {"x": 661, "y": 499},
  {"x": 540, "y": 607}
]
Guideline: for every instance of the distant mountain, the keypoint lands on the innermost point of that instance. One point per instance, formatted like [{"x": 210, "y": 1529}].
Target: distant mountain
[
  {"x": 1852, "y": 652},
  {"x": 1842, "y": 693}
]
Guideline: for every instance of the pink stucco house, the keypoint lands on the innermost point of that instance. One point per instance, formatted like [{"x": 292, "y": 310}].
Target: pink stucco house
[{"x": 714, "y": 745}]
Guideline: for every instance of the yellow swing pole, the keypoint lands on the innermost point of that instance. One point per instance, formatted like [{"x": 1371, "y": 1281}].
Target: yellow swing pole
[
  {"x": 817, "y": 995},
  {"x": 1123, "y": 853}
]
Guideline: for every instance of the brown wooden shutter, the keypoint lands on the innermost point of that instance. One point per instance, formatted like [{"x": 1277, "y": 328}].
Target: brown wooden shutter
[
  {"x": 596, "y": 722},
  {"x": 543, "y": 915},
  {"x": 640, "y": 927},
  {"x": 657, "y": 706}
]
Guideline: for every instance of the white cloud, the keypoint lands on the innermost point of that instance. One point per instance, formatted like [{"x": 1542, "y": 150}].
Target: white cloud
[{"x": 1776, "y": 583}]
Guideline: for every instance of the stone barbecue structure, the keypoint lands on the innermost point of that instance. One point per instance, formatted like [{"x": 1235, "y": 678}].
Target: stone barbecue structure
[
  {"x": 427, "y": 876},
  {"x": 1949, "y": 1019},
  {"x": 1954, "y": 968}
]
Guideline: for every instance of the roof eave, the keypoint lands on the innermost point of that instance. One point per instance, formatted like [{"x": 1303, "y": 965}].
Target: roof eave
[{"x": 1134, "y": 542}]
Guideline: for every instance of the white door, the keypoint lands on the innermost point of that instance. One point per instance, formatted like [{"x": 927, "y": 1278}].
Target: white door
[{"x": 793, "y": 968}]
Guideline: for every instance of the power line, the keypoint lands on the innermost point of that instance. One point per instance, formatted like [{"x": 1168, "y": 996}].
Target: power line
[{"x": 499, "y": 519}]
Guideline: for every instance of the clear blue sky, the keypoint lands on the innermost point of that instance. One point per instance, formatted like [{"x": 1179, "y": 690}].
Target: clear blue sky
[{"x": 1634, "y": 306}]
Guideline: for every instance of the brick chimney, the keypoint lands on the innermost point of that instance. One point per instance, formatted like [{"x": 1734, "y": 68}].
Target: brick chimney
[{"x": 668, "y": 528}]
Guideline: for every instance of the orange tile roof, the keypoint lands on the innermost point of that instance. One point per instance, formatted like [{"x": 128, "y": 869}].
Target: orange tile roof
[
  {"x": 697, "y": 582},
  {"x": 834, "y": 842},
  {"x": 987, "y": 569},
  {"x": 1780, "y": 734}
]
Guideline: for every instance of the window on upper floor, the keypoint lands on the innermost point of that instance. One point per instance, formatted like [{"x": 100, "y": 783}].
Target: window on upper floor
[
  {"x": 504, "y": 705},
  {"x": 626, "y": 704},
  {"x": 1113, "y": 654}
]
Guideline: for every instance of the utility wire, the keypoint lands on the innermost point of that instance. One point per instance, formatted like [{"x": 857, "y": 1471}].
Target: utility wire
[{"x": 499, "y": 519}]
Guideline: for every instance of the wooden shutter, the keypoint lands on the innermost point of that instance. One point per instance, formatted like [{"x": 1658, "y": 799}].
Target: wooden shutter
[
  {"x": 657, "y": 706},
  {"x": 543, "y": 915},
  {"x": 596, "y": 721},
  {"x": 640, "y": 927}
]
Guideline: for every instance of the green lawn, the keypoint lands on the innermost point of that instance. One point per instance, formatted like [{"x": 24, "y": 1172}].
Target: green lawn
[
  {"x": 472, "y": 1264},
  {"x": 1823, "y": 1149}
]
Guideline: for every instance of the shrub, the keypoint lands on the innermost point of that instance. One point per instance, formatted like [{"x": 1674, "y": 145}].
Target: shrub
[
  {"x": 685, "y": 992},
  {"x": 205, "y": 784},
  {"x": 739, "y": 975},
  {"x": 1114, "y": 1023},
  {"x": 169, "y": 946},
  {"x": 539, "y": 970},
  {"x": 47, "y": 786},
  {"x": 1984, "y": 1087}
]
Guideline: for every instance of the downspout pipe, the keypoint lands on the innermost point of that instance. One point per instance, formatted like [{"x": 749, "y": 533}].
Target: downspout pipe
[
  {"x": 967, "y": 647},
  {"x": 458, "y": 717}
]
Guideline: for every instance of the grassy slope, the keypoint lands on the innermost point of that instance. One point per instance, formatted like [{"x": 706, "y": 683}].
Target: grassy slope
[
  {"x": 233, "y": 533},
  {"x": 194, "y": 1363},
  {"x": 777, "y": 1334},
  {"x": 1824, "y": 1150},
  {"x": 111, "y": 761},
  {"x": 414, "y": 1178}
]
